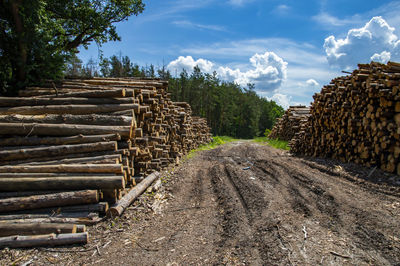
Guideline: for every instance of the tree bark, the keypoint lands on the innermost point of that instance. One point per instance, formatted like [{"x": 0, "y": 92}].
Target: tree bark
[
  {"x": 11, "y": 229},
  {"x": 69, "y": 109},
  {"x": 62, "y": 183},
  {"x": 7, "y": 155},
  {"x": 92, "y": 119},
  {"x": 49, "y": 200},
  {"x": 64, "y": 168},
  {"x": 35, "y": 101},
  {"x": 43, "y": 240},
  {"x": 36, "y": 141},
  {"x": 119, "y": 207}
]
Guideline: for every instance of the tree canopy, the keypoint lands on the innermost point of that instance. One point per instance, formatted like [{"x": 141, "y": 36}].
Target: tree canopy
[{"x": 38, "y": 36}]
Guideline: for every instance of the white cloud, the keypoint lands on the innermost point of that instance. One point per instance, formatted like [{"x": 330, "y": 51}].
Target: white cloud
[
  {"x": 188, "y": 63},
  {"x": 189, "y": 24},
  {"x": 281, "y": 99},
  {"x": 327, "y": 20},
  {"x": 239, "y": 2},
  {"x": 312, "y": 82},
  {"x": 376, "y": 40},
  {"x": 267, "y": 71},
  {"x": 281, "y": 10}
]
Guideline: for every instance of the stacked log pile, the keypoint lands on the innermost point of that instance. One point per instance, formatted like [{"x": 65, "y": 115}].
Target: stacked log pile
[
  {"x": 70, "y": 149},
  {"x": 356, "y": 118},
  {"x": 289, "y": 124}
]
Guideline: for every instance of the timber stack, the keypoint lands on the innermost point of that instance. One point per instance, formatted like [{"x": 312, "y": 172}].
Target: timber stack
[
  {"x": 70, "y": 149},
  {"x": 289, "y": 124},
  {"x": 356, "y": 118}
]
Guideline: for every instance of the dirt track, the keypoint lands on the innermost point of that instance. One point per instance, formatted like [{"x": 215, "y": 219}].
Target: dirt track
[{"x": 245, "y": 203}]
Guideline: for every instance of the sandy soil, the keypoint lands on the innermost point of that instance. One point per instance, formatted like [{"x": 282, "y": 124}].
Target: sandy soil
[{"x": 247, "y": 204}]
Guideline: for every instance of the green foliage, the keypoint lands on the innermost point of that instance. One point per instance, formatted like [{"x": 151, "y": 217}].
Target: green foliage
[
  {"x": 38, "y": 37},
  {"x": 276, "y": 143},
  {"x": 217, "y": 141},
  {"x": 267, "y": 132}
]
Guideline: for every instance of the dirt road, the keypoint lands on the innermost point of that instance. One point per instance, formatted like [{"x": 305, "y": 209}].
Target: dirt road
[{"x": 245, "y": 203}]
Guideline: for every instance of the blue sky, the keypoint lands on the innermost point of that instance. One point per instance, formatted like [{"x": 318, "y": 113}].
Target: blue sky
[{"x": 289, "y": 49}]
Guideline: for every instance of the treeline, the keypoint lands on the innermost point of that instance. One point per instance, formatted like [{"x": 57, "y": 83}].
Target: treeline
[{"x": 229, "y": 109}]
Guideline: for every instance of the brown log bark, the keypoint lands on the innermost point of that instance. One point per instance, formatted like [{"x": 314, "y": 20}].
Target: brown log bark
[
  {"x": 68, "y": 109},
  {"x": 12, "y": 229},
  {"x": 79, "y": 220},
  {"x": 49, "y": 200},
  {"x": 44, "y": 240},
  {"x": 91, "y": 119},
  {"x": 6, "y": 155},
  {"x": 114, "y": 93},
  {"x": 62, "y": 183},
  {"x": 64, "y": 168},
  {"x": 31, "y": 129},
  {"x": 34, "y": 101},
  {"x": 119, "y": 207},
  {"x": 36, "y": 141}
]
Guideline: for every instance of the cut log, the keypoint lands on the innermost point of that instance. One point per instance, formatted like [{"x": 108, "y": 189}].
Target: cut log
[
  {"x": 43, "y": 240},
  {"x": 64, "y": 168},
  {"x": 31, "y": 129},
  {"x": 49, "y": 200},
  {"x": 115, "y": 93},
  {"x": 62, "y": 183},
  {"x": 33, "y": 101},
  {"x": 64, "y": 159},
  {"x": 69, "y": 109},
  {"x": 91, "y": 119},
  {"x": 101, "y": 207},
  {"x": 119, "y": 207},
  {"x": 36, "y": 141},
  {"x": 25, "y": 216},
  {"x": 12, "y": 229},
  {"x": 6, "y": 155},
  {"x": 80, "y": 220}
]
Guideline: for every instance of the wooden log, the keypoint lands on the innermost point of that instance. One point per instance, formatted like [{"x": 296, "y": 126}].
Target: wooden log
[
  {"x": 62, "y": 183},
  {"x": 114, "y": 93},
  {"x": 64, "y": 168},
  {"x": 90, "y": 119},
  {"x": 44, "y": 240},
  {"x": 33, "y": 101},
  {"x": 30, "y": 129},
  {"x": 12, "y": 229},
  {"x": 101, "y": 207},
  {"x": 119, "y": 207},
  {"x": 25, "y": 215},
  {"x": 69, "y": 109},
  {"x": 79, "y": 220},
  {"x": 78, "y": 139},
  {"x": 65, "y": 158},
  {"x": 7, "y": 155},
  {"x": 104, "y": 159},
  {"x": 49, "y": 200}
]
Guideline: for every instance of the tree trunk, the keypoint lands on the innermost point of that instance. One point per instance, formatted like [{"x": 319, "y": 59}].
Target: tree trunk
[
  {"x": 7, "y": 155},
  {"x": 69, "y": 109},
  {"x": 35, "y": 101},
  {"x": 62, "y": 183},
  {"x": 64, "y": 168},
  {"x": 36, "y": 141},
  {"x": 44, "y": 240},
  {"x": 119, "y": 207},
  {"x": 11, "y": 229},
  {"x": 49, "y": 200}
]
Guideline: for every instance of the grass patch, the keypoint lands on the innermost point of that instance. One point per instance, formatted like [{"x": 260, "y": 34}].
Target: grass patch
[
  {"x": 276, "y": 143},
  {"x": 218, "y": 140}
]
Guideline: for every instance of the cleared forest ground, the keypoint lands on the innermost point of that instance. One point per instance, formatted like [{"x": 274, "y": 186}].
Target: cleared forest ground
[{"x": 245, "y": 203}]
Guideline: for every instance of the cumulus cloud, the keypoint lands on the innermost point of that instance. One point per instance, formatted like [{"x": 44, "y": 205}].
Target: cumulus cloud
[
  {"x": 375, "y": 41},
  {"x": 282, "y": 100},
  {"x": 188, "y": 63},
  {"x": 267, "y": 71},
  {"x": 312, "y": 82}
]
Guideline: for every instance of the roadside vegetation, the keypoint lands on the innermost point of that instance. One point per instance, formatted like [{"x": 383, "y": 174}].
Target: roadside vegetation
[{"x": 217, "y": 141}]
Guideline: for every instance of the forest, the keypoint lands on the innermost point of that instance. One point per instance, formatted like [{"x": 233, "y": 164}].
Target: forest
[{"x": 230, "y": 109}]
